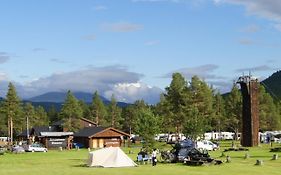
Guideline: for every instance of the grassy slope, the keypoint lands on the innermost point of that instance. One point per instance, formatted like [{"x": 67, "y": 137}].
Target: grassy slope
[{"x": 73, "y": 162}]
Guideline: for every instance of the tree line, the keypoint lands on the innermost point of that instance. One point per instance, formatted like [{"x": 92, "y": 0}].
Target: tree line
[{"x": 190, "y": 107}]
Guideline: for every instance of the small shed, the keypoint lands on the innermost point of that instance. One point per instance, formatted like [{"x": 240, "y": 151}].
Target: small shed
[
  {"x": 100, "y": 137},
  {"x": 48, "y": 136}
]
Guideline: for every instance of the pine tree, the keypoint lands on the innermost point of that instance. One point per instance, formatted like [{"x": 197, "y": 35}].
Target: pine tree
[
  {"x": 268, "y": 112},
  {"x": 98, "y": 110},
  {"x": 199, "y": 108},
  {"x": 162, "y": 110},
  {"x": 233, "y": 106},
  {"x": 218, "y": 119},
  {"x": 114, "y": 114},
  {"x": 175, "y": 101},
  {"x": 13, "y": 111},
  {"x": 86, "y": 109},
  {"x": 71, "y": 112},
  {"x": 52, "y": 114},
  {"x": 30, "y": 115},
  {"x": 42, "y": 116},
  {"x": 147, "y": 126}
]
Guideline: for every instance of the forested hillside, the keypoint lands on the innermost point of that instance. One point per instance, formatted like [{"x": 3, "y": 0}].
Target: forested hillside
[{"x": 273, "y": 85}]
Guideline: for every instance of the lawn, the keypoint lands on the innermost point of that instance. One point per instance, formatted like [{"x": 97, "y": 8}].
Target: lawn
[{"x": 73, "y": 162}]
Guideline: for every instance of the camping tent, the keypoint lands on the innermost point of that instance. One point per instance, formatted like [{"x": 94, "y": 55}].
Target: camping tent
[{"x": 110, "y": 157}]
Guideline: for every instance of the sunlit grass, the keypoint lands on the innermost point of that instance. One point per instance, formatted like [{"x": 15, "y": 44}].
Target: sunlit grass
[{"x": 73, "y": 162}]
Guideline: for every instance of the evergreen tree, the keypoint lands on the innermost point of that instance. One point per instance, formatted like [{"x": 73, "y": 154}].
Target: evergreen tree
[
  {"x": 162, "y": 110},
  {"x": 30, "y": 115},
  {"x": 52, "y": 114},
  {"x": 147, "y": 126},
  {"x": 86, "y": 110},
  {"x": 175, "y": 102},
  {"x": 218, "y": 119},
  {"x": 194, "y": 125},
  {"x": 199, "y": 108},
  {"x": 268, "y": 112},
  {"x": 71, "y": 112},
  {"x": 128, "y": 114},
  {"x": 98, "y": 110},
  {"x": 3, "y": 120},
  {"x": 233, "y": 106},
  {"x": 114, "y": 114},
  {"x": 13, "y": 111},
  {"x": 42, "y": 117}
]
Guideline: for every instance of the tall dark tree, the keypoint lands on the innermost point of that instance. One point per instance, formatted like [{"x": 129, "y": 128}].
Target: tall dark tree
[
  {"x": 86, "y": 109},
  {"x": 147, "y": 126},
  {"x": 42, "y": 116},
  {"x": 52, "y": 114},
  {"x": 199, "y": 108},
  {"x": 130, "y": 116},
  {"x": 114, "y": 114},
  {"x": 268, "y": 112},
  {"x": 175, "y": 102},
  {"x": 13, "y": 111},
  {"x": 29, "y": 113},
  {"x": 162, "y": 109},
  {"x": 218, "y": 119},
  {"x": 71, "y": 112},
  {"x": 98, "y": 110},
  {"x": 233, "y": 106}
]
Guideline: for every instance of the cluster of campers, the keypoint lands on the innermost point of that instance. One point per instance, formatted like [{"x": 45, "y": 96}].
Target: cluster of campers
[{"x": 109, "y": 139}]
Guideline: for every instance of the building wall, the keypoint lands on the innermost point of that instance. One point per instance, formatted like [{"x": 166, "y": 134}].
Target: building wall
[{"x": 104, "y": 142}]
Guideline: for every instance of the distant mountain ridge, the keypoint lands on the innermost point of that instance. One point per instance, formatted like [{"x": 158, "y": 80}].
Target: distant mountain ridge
[{"x": 59, "y": 97}]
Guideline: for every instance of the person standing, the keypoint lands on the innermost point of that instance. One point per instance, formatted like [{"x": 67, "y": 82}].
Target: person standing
[{"x": 153, "y": 157}]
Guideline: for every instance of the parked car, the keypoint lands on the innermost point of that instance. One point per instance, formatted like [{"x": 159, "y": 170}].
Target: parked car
[
  {"x": 35, "y": 147},
  {"x": 206, "y": 145},
  {"x": 17, "y": 149}
]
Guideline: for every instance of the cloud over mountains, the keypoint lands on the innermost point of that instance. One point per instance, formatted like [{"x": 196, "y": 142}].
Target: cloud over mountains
[{"x": 117, "y": 80}]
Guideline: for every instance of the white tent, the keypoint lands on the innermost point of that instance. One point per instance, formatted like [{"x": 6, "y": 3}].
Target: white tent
[{"x": 110, "y": 157}]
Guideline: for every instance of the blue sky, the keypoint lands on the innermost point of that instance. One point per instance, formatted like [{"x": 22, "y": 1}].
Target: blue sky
[{"x": 130, "y": 48}]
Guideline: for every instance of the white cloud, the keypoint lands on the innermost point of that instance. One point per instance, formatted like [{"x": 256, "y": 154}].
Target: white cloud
[
  {"x": 3, "y": 76},
  {"x": 203, "y": 71},
  {"x": 4, "y": 57},
  {"x": 117, "y": 80},
  {"x": 267, "y": 9},
  {"x": 130, "y": 92},
  {"x": 252, "y": 28},
  {"x": 121, "y": 27},
  {"x": 246, "y": 41},
  {"x": 256, "y": 69}
]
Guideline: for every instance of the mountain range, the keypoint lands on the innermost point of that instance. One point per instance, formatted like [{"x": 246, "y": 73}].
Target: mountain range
[
  {"x": 272, "y": 85},
  {"x": 56, "y": 99}
]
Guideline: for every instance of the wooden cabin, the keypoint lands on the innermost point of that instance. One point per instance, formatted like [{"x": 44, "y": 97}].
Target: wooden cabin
[{"x": 99, "y": 137}]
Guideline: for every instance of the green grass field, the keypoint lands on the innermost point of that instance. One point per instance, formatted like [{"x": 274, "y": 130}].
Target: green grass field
[{"x": 73, "y": 162}]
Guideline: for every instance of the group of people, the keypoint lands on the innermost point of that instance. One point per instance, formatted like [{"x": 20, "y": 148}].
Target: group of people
[{"x": 144, "y": 156}]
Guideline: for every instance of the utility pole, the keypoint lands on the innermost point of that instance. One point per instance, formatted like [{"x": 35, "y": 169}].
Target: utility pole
[
  {"x": 10, "y": 128},
  {"x": 27, "y": 128}
]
